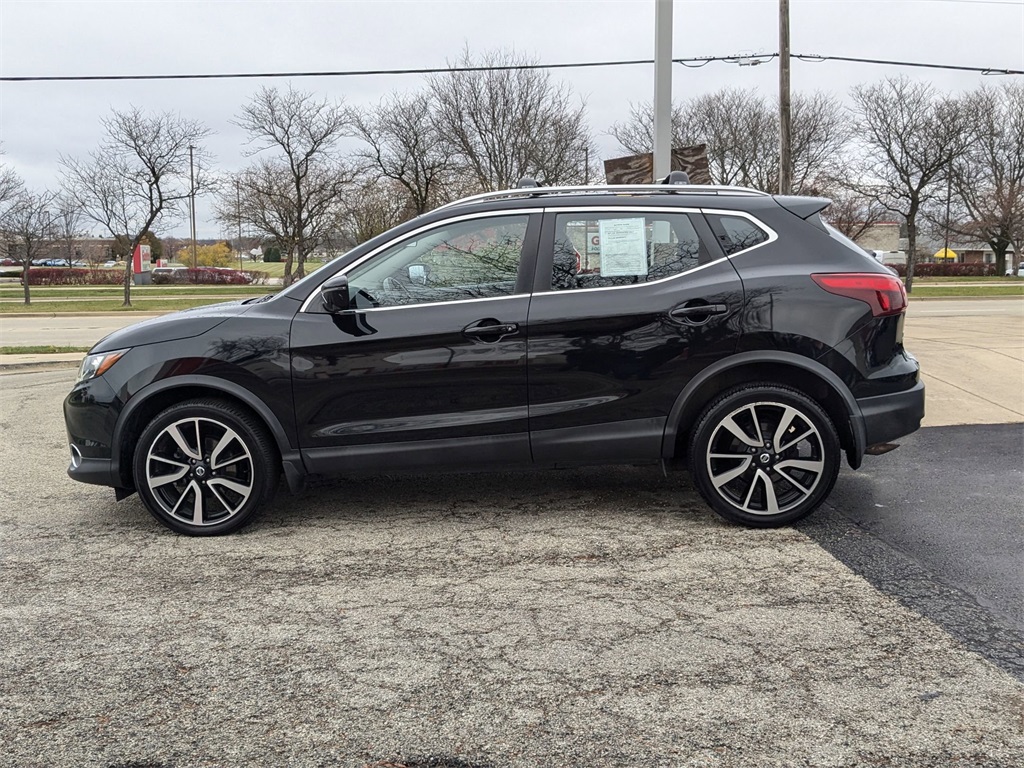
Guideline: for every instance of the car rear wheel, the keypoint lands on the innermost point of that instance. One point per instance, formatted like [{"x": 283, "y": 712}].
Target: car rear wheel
[
  {"x": 764, "y": 455},
  {"x": 204, "y": 467}
]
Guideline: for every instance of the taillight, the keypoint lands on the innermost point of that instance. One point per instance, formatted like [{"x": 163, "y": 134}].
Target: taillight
[{"x": 883, "y": 293}]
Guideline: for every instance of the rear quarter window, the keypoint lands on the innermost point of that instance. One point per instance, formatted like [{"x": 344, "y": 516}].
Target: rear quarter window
[{"x": 736, "y": 233}]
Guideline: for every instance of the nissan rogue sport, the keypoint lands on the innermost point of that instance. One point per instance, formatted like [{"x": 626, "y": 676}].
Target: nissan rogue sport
[{"x": 721, "y": 329}]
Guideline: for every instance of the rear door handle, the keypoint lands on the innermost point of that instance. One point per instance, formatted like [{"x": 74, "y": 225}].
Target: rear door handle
[{"x": 698, "y": 312}]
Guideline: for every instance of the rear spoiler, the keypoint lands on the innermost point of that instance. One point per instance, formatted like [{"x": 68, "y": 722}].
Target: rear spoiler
[{"x": 804, "y": 207}]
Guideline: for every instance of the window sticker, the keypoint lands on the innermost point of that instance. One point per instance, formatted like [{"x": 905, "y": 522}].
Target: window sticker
[{"x": 623, "y": 247}]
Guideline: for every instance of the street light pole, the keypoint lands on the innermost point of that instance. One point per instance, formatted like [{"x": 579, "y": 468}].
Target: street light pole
[
  {"x": 662, "y": 89},
  {"x": 192, "y": 205},
  {"x": 785, "y": 150}
]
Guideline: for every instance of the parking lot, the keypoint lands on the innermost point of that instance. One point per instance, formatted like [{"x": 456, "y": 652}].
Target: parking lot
[{"x": 579, "y": 618}]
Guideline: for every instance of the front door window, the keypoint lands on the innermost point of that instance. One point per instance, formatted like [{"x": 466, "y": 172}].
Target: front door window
[{"x": 474, "y": 259}]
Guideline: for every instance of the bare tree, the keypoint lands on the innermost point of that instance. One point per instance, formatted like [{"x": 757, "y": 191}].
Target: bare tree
[
  {"x": 501, "y": 125},
  {"x": 296, "y": 195},
  {"x": 636, "y": 135},
  {"x": 67, "y": 224},
  {"x": 29, "y": 224},
  {"x": 373, "y": 207},
  {"x": 851, "y": 212},
  {"x": 405, "y": 146},
  {"x": 741, "y": 131},
  {"x": 820, "y": 138},
  {"x": 988, "y": 180},
  {"x": 909, "y": 135},
  {"x": 140, "y": 174},
  {"x": 10, "y": 185}
]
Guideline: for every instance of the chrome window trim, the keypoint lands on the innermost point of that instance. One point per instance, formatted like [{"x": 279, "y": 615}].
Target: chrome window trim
[
  {"x": 315, "y": 294},
  {"x": 772, "y": 237},
  {"x": 446, "y": 303}
]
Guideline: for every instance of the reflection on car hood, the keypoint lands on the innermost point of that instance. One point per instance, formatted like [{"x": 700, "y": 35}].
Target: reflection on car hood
[{"x": 173, "y": 326}]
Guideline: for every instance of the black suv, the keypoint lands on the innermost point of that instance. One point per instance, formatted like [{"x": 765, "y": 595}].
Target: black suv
[{"x": 718, "y": 328}]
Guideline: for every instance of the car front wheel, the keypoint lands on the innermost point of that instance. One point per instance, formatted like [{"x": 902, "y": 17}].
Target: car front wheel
[
  {"x": 204, "y": 467},
  {"x": 764, "y": 455}
]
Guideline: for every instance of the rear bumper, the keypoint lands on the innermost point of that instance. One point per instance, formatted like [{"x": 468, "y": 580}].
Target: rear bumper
[{"x": 887, "y": 417}]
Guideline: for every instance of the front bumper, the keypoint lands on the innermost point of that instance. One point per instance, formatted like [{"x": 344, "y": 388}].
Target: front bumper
[{"x": 93, "y": 471}]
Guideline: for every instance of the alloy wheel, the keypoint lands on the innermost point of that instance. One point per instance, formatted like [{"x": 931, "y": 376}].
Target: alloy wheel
[
  {"x": 200, "y": 471},
  {"x": 765, "y": 458}
]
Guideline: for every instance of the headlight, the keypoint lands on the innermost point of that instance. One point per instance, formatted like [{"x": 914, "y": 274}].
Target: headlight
[{"x": 98, "y": 364}]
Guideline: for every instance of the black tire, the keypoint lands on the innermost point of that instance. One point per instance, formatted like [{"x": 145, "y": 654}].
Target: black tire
[
  {"x": 204, "y": 467},
  {"x": 764, "y": 455}
]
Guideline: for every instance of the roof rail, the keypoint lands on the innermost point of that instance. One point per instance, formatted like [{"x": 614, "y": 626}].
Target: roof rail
[{"x": 614, "y": 189}]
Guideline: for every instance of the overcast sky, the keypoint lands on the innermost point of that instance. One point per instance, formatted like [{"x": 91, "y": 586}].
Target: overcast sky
[{"x": 40, "y": 120}]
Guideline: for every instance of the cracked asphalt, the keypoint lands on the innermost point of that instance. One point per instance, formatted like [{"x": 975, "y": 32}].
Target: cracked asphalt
[{"x": 596, "y": 617}]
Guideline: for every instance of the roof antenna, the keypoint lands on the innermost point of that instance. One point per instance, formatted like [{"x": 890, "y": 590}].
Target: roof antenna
[
  {"x": 527, "y": 183},
  {"x": 676, "y": 177}
]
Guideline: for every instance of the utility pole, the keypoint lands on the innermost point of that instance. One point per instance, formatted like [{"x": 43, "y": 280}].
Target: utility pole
[
  {"x": 785, "y": 152},
  {"x": 192, "y": 205},
  {"x": 662, "y": 89}
]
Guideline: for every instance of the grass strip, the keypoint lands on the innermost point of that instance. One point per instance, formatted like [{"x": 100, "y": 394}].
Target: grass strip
[
  {"x": 106, "y": 306},
  {"x": 44, "y": 349},
  {"x": 954, "y": 291}
]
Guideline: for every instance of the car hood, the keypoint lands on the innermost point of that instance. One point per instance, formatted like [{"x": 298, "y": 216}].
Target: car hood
[{"x": 171, "y": 327}]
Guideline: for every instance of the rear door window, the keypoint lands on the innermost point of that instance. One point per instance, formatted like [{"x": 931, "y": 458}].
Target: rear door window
[{"x": 606, "y": 249}]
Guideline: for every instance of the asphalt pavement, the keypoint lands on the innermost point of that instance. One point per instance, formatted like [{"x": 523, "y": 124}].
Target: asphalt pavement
[
  {"x": 592, "y": 617},
  {"x": 599, "y": 617}
]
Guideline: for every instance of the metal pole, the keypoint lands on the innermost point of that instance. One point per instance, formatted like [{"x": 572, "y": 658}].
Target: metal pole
[
  {"x": 586, "y": 165},
  {"x": 949, "y": 200},
  {"x": 192, "y": 205},
  {"x": 662, "y": 88},
  {"x": 238, "y": 210},
  {"x": 785, "y": 152}
]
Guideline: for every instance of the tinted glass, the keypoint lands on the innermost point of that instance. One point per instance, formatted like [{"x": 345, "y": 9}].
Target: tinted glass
[
  {"x": 736, "y": 233},
  {"x": 599, "y": 250},
  {"x": 465, "y": 260}
]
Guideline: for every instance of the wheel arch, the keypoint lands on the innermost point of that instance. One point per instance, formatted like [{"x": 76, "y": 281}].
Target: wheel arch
[
  {"x": 792, "y": 370},
  {"x": 153, "y": 399}
]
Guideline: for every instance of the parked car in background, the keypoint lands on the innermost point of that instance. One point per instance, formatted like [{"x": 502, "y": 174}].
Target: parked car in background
[{"x": 720, "y": 329}]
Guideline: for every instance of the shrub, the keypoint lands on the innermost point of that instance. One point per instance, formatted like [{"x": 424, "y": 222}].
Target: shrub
[
  {"x": 66, "y": 276},
  {"x": 940, "y": 269}
]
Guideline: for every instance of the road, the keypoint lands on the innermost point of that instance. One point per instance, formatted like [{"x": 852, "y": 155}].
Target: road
[
  {"x": 63, "y": 330},
  {"x": 591, "y": 617}
]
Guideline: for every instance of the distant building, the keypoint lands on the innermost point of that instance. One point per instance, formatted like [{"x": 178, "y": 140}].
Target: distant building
[{"x": 883, "y": 236}]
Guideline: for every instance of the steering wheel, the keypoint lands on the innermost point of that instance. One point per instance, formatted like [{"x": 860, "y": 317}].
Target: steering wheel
[{"x": 396, "y": 288}]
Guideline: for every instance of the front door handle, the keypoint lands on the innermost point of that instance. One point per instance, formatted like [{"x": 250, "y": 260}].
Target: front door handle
[
  {"x": 697, "y": 312},
  {"x": 491, "y": 328}
]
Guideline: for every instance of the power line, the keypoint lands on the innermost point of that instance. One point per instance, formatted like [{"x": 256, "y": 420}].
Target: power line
[
  {"x": 339, "y": 73},
  {"x": 983, "y": 70},
  {"x": 751, "y": 59}
]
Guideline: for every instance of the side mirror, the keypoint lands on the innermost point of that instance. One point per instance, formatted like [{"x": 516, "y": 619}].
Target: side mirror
[{"x": 334, "y": 294}]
